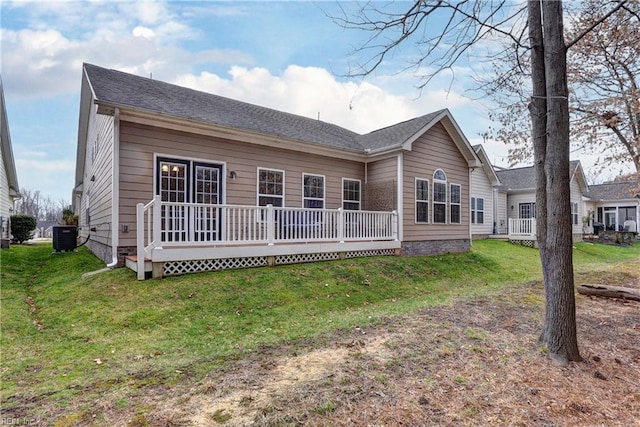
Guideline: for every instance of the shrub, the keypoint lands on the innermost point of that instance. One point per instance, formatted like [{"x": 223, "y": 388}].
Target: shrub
[
  {"x": 69, "y": 217},
  {"x": 22, "y": 227}
]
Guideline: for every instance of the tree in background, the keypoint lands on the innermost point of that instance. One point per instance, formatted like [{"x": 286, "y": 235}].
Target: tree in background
[
  {"x": 604, "y": 76},
  {"x": 603, "y": 70},
  {"x": 44, "y": 209},
  {"x": 443, "y": 32}
]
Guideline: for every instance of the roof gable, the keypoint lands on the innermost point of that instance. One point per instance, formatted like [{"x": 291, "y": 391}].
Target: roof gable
[{"x": 487, "y": 167}]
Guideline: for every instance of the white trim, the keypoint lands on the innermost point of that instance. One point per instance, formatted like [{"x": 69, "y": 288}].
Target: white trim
[
  {"x": 359, "y": 192},
  {"x": 415, "y": 200},
  {"x": 188, "y": 254},
  {"x": 192, "y": 160},
  {"x": 400, "y": 198},
  {"x": 258, "y": 168},
  {"x": 433, "y": 197},
  {"x": 459, "y": 204},
  {"x": 324, "y": 190}
]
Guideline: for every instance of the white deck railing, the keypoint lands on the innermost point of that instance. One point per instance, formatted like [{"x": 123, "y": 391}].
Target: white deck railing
[
  {"x": 194, "y": 224},
  {"x": 522, "y": 227}
]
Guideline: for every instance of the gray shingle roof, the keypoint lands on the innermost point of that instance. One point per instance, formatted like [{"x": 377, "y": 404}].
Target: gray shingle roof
[
  {"x": 399, "y": 132},
  {"x": 524, "y": 178},
  {"x": 614, "y": 191},
  {"x": 127, "y": 90}
]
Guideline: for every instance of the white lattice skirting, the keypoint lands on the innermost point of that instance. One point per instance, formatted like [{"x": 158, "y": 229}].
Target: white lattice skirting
[
  {"x": 529, "y": 243},
  {"x": 176, "y": 268}
]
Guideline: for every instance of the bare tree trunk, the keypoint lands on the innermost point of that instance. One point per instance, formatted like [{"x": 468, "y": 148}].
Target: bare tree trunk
[
  {"x": 538, "y": 112},
  {"x": 559, "y": 331}
]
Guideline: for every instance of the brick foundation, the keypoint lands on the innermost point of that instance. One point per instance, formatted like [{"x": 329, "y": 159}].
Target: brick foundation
[{"x": 435, "y": 247}]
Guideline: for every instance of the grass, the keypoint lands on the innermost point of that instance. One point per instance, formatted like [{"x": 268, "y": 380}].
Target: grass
[{"x": 65, "y": 335}]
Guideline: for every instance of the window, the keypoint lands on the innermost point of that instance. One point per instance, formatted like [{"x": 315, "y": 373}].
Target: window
[
  {"x": 527, "y": 210},
  {"x": 270, "y": 187},
  {"x": 574, "y": 213},
  {"x": 313, "y": 191},
  {"x": 454, "y": 208},
  {"x": 422, "y": 200},
  {"x": 350, "y": 194},
  {"x": 439, "y": 197},
  {"x": 477, "y": 210}
]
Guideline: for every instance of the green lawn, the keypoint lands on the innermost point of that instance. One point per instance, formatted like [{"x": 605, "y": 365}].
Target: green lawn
[{"x": 63, "y": 334}]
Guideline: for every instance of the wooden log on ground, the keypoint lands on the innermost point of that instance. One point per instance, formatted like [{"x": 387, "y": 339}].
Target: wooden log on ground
[{"x": 610, "y": 291}]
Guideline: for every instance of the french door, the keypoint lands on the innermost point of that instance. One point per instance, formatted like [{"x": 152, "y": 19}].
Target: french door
[{"x": 186, "y": 183}]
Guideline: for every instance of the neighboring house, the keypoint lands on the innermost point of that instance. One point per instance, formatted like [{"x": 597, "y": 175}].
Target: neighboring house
[
  {"x": 176, "y": 180},
  {"x": 519, "y": 184},
  {"x": 488, "y": 203},
  {"x": 9, "y": 189},
  {"x": 615, "y": 205}
]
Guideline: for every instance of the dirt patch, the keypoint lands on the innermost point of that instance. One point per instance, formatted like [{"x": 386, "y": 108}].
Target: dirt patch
[{"x": 471, "y": 363}]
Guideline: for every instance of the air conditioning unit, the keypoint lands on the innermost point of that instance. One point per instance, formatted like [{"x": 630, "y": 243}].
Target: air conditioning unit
[{"x": 65, "y": 237}]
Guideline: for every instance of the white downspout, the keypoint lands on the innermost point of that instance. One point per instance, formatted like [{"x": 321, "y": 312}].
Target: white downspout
[
  {"x": 115, "y": 190},
  {"x": 400, "y": 197},
  {"x": 469, "y": 208}
]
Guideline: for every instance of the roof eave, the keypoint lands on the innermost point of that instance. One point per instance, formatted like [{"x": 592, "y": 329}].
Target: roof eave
[{"x": 156, "y": 118}]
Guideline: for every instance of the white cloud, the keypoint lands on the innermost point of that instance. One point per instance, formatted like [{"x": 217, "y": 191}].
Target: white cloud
[
  {"x": 143, "y": 32},
  {"x": 44, "y": 58},
  {"x": 313, "y": 91}
]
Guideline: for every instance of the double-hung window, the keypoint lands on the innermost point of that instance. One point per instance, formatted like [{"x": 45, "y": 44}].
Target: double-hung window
[
  {"x": 422, "y": 200},
  {"x": 350, "y": 194},
  {"x": 439, "y": 197},
  {"x": 270, "y": 187},
  {"x": 477, "y": 210},
  {"x": 574, "y": 213},
  {"x": 454, "y": 204},
  {"x": 313, "y": 191}
]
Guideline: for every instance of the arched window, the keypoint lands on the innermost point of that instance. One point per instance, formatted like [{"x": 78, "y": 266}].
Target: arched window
[
  {"x": 439, "y": 175},
  {"x": 439, "y": 197}
]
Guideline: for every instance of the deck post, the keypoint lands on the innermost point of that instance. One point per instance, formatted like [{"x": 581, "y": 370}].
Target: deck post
[
  {"x": 157, "y": 215},
  {"x": 341, "y": 221},
  {"x": 140, "y": 240},
  {"x": 394, "y": 225},
  {"x": 271, "y": 225}
]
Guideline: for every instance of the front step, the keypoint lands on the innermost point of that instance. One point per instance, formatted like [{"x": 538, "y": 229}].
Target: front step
[{"x": 131, "y": 262}]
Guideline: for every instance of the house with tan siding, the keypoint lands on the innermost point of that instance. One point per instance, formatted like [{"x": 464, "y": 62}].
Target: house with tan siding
[
  {"x": 9, "y": 189},
  {"x": 171, "y": 180}
]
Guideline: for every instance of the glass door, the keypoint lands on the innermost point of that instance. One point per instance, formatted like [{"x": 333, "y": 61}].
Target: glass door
[
  {"x": 207, "y": 192},
  {"x": 173, "y": 187}
]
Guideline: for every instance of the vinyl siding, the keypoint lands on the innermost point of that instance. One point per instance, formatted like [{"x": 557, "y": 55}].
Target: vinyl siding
[
  {"x": 97, "y": 191},
  {"x": 502, "y": 223},
  {"x": 5, "y": 201},
  {"x": 481, "y": 187},
  {"x": 576, "y": 197},
  {"x": 139, "y": 143},
  {"x": 381, "y": 187},
  {"x": 434, "y": 150},
  {"x": 515, "y": 200}
]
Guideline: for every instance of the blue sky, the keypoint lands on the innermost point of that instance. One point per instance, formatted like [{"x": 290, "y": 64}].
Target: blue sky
[{"x": 285, "y": 55}]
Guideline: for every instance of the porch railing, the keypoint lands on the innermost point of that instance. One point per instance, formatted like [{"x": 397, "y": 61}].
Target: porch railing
[
  {"x": 522, "y": 227},
  {"x": 191, "y": 224}
]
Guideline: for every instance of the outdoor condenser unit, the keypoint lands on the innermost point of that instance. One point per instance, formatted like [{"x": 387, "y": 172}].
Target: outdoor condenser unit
[{"x": 65, "y": 237}]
